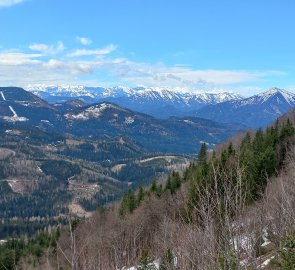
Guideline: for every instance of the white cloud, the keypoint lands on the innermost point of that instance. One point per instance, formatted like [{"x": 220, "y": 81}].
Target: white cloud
[
  {"x": 8, "y": 3},
  {"x": 83, "y": 52},
  {"x": 48, "y": 49},
  {"x": 161, "y": 75},
  {"x": 20, "y": 68},
  {"x": 71, "y": 67},
  {"x": 17, "y": 58},
  {"x": 84, "y": 41}
]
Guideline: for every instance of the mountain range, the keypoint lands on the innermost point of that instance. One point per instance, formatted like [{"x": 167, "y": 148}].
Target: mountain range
[
  {"x": 252, "y": 112},
  {"x": 107, "y": 120},
  {"x": 156, "y": 101}
]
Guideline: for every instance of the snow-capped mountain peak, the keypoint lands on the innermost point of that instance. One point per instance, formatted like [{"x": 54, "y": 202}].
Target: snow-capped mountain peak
[
  {"x": 157, "y": 101},
  {"x": 256, "y": 111},
  {"x": 147, "y": 92},
  {"x": 281, "y": 95}
]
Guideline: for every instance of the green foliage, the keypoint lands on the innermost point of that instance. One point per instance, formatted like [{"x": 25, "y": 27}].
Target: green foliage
[
  {"x": 14, "y": 249},
  {"x": 173, "y": 183},
  {"x": 154, "y": 187},
  {"x": 286, "y": 256},
  {"x": 230, "y": 262},
  {"x": 128, "y": 204},
  {"x": 287, "y": 130},
  {"x": 146, "y": 262},
  {"x": 60, "y": 169},
  {"x": 7, "y": 259},
  {"x": 202, "y": 156},
  {"x": 140, "y": 195},
  {"x": 257, "y": 158},
  {"x": 74, "y": 224},
  {"x": 167, "y": 261},
  {"x": 159, "y": 190}
]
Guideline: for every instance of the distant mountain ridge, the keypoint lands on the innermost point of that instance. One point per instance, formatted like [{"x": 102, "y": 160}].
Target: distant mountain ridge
[
  {"x": 157, "y": 101},
  {"x": 253, "y": 112},
  {"x": 256, "y": 111},
  {"x": 108, "y": 120}
]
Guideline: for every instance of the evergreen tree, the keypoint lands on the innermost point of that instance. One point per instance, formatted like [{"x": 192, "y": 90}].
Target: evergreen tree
[
  {"x": 287, "y": 130},
  {"x": 154, "y": 187},
  {"x": 128, "y": 203},
  {"x": 202, "y": 156},
  {"x": 230, "y": 149},
  {"x": 258, "y": 142},
  {"x": 271, "y": 136},
  {"x": 168, "y": 183},
  {"x": 175, "y": 182},
  {"x": 246, "y": 142},
  {"x": 248, "y": 164},
  {"x": 140, "y": 195},
  {"x": 159, "y": 190}
]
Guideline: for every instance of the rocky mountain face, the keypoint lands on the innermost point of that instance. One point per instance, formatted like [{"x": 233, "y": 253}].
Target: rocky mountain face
[{"x": 256, "y": 111}]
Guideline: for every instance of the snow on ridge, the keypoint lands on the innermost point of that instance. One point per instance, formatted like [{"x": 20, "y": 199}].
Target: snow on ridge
[
  {"x": 149, "y": 93},
  {"x": 265, "y": 96},
  {"x": 40, "y": 87},
  {"x": 92, "y": 112},
  {"x": 58, "y": 90}
]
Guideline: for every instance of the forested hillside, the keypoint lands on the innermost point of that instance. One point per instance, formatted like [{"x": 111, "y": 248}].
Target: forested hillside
[
  {"x": 233, "y": 208},
  {"x": 46, "y": 176}
]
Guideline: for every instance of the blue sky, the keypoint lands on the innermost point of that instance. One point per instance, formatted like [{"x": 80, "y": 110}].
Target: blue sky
[{"x": 244, "y": 46}]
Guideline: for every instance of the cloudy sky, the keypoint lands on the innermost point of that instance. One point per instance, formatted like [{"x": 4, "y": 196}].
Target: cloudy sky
[{"x": 243, "y": 46}]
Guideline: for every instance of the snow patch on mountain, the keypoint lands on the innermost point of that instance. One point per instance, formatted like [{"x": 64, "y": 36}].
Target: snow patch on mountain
[
  {"x": 93, "y": 112},
  {"x": 188, "y": 121},
  {"x": 129, "y": 120},
  {"x": 15, "y": 117}
]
